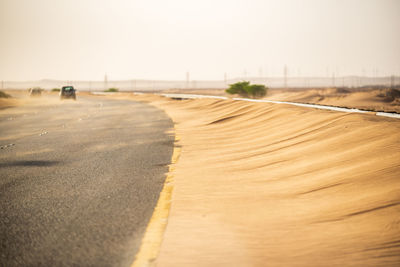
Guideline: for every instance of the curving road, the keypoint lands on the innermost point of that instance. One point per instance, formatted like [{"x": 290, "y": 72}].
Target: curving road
[{"x": 79, "y": 180}]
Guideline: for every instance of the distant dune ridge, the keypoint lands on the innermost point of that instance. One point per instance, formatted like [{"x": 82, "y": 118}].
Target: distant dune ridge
[
  {"x": 384, "y": 99},
  {"x": 261, "y": 184},
  {"x": 369, "y": 99}
]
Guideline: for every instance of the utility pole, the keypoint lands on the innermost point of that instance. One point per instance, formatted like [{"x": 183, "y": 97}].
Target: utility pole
[
  {"x": 392, "y": 84},
  {"x": 285, "y": 72},
  {"x": 376, "y": 77},
  {"x": 333, "y": 79},
  {"x": 2, "y": 85},
  {"x": 397, "y": 80},
  {"x": 133, "y": 85},
  {"x": 187, "y": 79},
  {"x": 373, "y": 76},
  {"x": 105, "y": 82},
  {"x": 363, "y": 78}
]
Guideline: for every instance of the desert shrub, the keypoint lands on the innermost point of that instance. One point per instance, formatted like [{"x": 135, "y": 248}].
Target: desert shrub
[
  {"x": 4, "y": 95},
  {"x": 245, "y": 89},
  {"x": 342, "y": 90},
  {"x": 238, "y": 88},
  {"x": 56, "y": 90},
  {"x": 257, "y": 90},
  {"x": 111, "y": 90},
  {"x": 392, "y": 94},
  {"x": 381, "y": 94}
]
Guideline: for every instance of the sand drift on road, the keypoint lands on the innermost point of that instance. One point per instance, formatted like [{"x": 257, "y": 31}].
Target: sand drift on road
[{"x": 261, "y": 184}]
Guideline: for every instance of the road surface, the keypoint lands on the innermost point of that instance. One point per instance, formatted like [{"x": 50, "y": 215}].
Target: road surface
[{"x": 79, "y": 180}]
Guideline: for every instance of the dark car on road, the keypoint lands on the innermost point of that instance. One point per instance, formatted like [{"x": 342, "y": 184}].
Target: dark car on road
[{"x": 68, "y": 92}]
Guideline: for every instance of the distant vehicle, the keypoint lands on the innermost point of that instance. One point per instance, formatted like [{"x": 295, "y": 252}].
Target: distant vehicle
[
  {"x": 67, "y": 92},
  {"x": 35, "y": 92}
]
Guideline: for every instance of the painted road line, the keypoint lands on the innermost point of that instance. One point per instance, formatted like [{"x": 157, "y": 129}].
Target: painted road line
[
  {"x": 189, "y": 96},
  {"x": 386, "y": 114},
  {"x": 333, "y": 108},
  {"x": 104, "y": 93},
  {"x": 153, "y": 237}
]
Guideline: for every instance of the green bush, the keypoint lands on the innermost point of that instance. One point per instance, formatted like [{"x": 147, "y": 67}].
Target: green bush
[
  {"x": 56, "y": 90},
  {"x": 111, "y": 90},
  {"x": 4, "y": 95},
  {"x": 244, "y": 89}
]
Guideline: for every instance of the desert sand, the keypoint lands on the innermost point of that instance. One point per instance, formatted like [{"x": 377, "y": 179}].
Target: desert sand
[
  {"x": 22, "y": 98},
  {"x": 373, "y": 99},
  {"x": 8, "y": 102},
  {"x": 261, "y": 184}
]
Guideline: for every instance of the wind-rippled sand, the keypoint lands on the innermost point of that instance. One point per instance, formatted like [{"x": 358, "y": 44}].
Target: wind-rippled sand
[{"x": 274, "y": 185}]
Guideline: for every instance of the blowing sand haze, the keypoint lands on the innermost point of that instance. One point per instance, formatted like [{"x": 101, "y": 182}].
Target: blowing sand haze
[{"x": 127, "y": 176}]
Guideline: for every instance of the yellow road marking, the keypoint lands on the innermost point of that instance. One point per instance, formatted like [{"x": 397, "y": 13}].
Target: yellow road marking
[{"x": 153, "y": 236}]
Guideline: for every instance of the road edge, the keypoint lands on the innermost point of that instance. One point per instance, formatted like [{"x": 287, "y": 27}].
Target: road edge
[{"x": 153, "y": 236}]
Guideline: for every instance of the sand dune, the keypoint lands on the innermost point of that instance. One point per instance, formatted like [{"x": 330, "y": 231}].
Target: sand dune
[
  {"x": 8, "y": 103},
  {"x": 377, "y": 100},
  {"x": 274, "y": 185}
]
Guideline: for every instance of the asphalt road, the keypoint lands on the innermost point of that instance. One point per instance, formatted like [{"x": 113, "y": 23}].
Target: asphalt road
[{"x": 79, "y": 180}]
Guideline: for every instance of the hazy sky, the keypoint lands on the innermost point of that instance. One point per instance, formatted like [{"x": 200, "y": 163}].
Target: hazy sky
[{"x": 163, "y": 39}]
